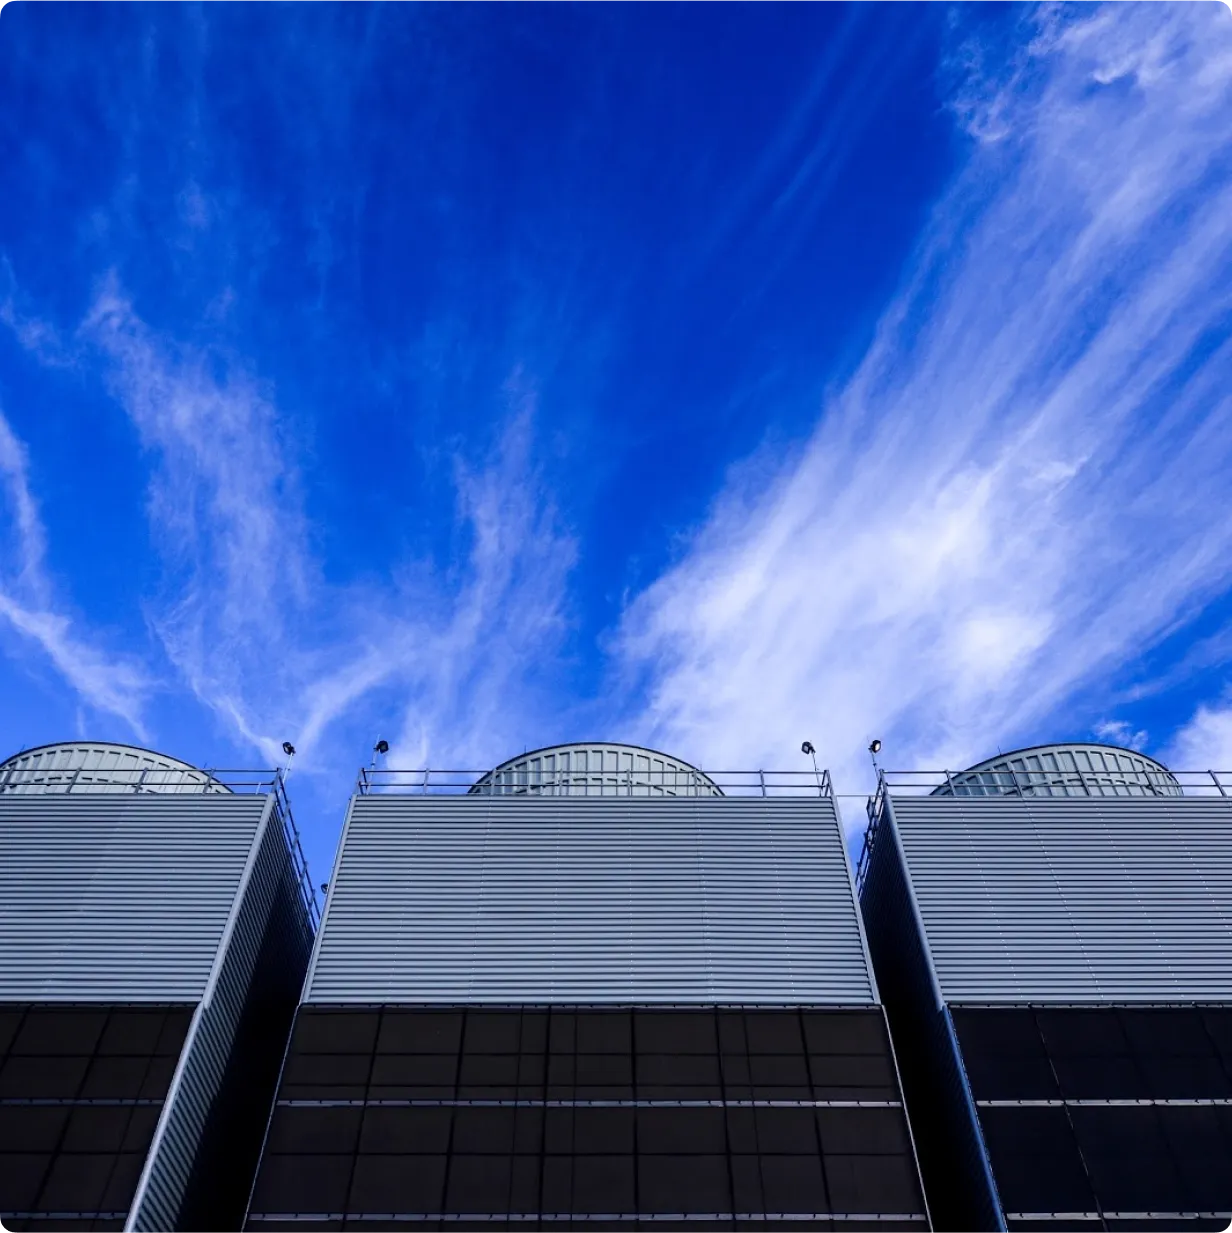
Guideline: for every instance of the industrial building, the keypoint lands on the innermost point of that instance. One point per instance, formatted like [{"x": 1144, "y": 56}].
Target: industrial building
[
  {"x": 155, "y": 928},
  {"x": 1052, "y": 936},
  {"x": 597, "y": 987}
]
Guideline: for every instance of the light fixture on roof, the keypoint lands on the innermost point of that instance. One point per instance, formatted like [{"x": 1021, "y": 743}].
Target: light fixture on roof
[
  {"x": 288, "y": 749},
  {"x": 381, "y": 747},
  {"x": 875, "y": 747}
]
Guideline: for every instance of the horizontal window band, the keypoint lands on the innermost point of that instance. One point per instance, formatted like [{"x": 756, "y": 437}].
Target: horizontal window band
[
  {"x": 67, "y": 1215},
  {"x": 73, "y": 1102},
  {"x": 1098, "y": 1216},
  {"x": 622, "y": 1217},
  {"x": 1145, "y": 1102},
  {"x": 590, "y": 1104}
]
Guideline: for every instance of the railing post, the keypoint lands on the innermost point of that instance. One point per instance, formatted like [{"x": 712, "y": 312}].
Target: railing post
[
  {"x": 141, "y": 780},
  {"x": 1217, "y": 783},
  {"x": 762, "y": 776},
  {"x": 949, "y": 783},
  {"x": 72, "y": 783}
]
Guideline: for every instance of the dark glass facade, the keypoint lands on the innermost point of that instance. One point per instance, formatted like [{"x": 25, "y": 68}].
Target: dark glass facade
[
  {"x": 1104, "y": 1118},
  {"x": 414, "y": 1117},
  {"x": 81, "y": 1090}
]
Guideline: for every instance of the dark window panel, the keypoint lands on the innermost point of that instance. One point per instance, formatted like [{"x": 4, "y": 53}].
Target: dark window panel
[
  {"x": 1170, "y": 1031},
  {"x": 562, "y": 1070},
  {"x": 344, "y": 1091},
  {"x": 134, "y": 1033},
  {"x": 335, "y": 1031},
  {"x": 1032, "y": 1131},
  {"x": 97, "y": 1129},
  {"x": 302, "y": 1183},
  {"x": 407, "y": 1129},
  {"x": 773, "y": 1031},
  {"x": 1193, "y": 1130},
  {"x": 158, "y": 1077},
  {"x": 477, "y": 1184},
  {"x": 141, "y": 1126},
  {"x": 532, "y": 1070},
  {"x": 320, "y": 1070},
  {"x": 1009, "y": 1076},
  {"x": 483, "y": 1130},
  {"x": 492, "y": 1031},
  {"x": 685, "y": 1070},
  {"x": 783, "y": 1070},
  {"x": 787, "y": 1131},
  {"x": 746, "y": 1184},
  {"x": 1095, "y": 1033},
  {"x": 122, "y": 1184},
  {"x": 10, "y": 1021},
  {"x": 685, "y": 1131},
  {"x": 1177, "y": 1077},
  {"x": 605, "y": 1031},
  {"x": 865, "y": 1132},
  {"x": 305, "y": 1129},
  {"x": 76, "y": 1183},
  {"x": 1205, "y": 1181},
  {"x": 45, "y": 1078},
  {"x": 30, "y": 1128},
  {"x": 669, "y": 1184},
  {"x": 604, "y": 1184},
  {"x": 534, "y": 1031},
  {"x": 1218, "y": 1025},
  {"x": 850, "y": 1070},
  {"x": 1133, "y": 1183},
  {"x": 606, "y": 1130},
  {"x": 397, "y": 1184},
  {"x": 1123, "y": 1130},
  {"x": 676, "y": 1032},
  {"x": 175, "y": 1029},
  {"x": 732, "y": 1038},
  {"x": 558, "y": 1131},
  {"x": 844, "y": 1032},
  {"x": 524, "y": 1185},
  {"x": 1008, "y": 1031},
  {"x": 873, "y": 1184},
  {"x": 21, "y": 1177},
  {"x": 409, "y": 1031},
  {"x": 302, "y": 1226},
  {"x": 528, "y": 1131},
  {"x": 1112, "y": 1077},
  {"x": 562, "y": 1032},
  {"x": 61, "y": 1032},
  {"x": 736, "y": 1071},
  {"x": 488, "y": 1070},
  {"x": 741, "y": 1130},
  {"x": 1035, "y": 1160},
  {"x": 604, "y": 1069},
  {"x": 793, "y": 1184},
  {"x": 557, "y": 1185},
  {"x": 406, "y": 1069},
  {"x": 1218, "y": 1225}
]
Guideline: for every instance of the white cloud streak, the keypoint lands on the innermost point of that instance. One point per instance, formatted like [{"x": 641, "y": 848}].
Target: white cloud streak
[
  {"x": 1024, "y": 484},
  {"x": 248, "y": 619},
  {"x": 113, "y": 683}
]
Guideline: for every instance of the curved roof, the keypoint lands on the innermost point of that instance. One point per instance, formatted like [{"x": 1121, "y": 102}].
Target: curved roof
[
  {"x": 596, "y": 768},
  {"x": 1068, "y": 768},
  {"x": 101, "y": 766}
]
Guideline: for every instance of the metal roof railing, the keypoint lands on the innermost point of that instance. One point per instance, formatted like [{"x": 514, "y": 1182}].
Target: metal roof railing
[
  {"x": 1059, "y": 782},
  {"x": 434, "y": 782}
]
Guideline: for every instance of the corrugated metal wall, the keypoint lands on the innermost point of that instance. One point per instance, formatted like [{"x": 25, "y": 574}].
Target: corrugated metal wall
[
  {"x": 115, "y": 898},
  {"x": 1073, "y": 899},
  {"x": 591, "y": 900},
  {"x": 212, "y": 1041}
]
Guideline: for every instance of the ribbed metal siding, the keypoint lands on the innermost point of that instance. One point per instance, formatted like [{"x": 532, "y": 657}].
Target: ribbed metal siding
[
  {"x": 157, "y": 1204},
  {"x": 118, "y": 898},
  {"x": 1073, "y": 900},
  {"x": 591, "y": 900}
]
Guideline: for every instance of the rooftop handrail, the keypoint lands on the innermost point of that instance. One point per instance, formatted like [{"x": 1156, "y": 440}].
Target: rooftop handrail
[
  {"x": 623, "y": 782},
  {"x": 1090, "y": 781}
]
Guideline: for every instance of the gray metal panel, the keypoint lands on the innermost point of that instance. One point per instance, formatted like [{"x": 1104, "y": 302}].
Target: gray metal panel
[
  {"x": 1073, "y": 899},
  {"x": 118, "y": 898},
  {"x": 592, "y": 899}
]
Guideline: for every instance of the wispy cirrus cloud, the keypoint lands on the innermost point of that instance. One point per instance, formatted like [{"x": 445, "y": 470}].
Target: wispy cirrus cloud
[
  {"x": 1024, "y": 483},
  {"x": 244, "y": 610},
  {"x": 108, "y": 681}
]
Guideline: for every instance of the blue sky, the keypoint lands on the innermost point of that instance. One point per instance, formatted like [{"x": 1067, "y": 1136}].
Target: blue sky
[{"x": 705, "y": 376}]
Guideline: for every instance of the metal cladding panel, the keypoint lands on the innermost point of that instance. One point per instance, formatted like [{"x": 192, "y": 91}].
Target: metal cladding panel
[
  {"x": 1073, "y": 899},
  {"x": 115, "y": 898},
  {"x": 597, "y": 899}
]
